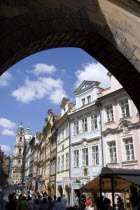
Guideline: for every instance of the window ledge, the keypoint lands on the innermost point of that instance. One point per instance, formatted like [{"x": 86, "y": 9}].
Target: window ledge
[
  {"x": 131, "y": 162},
  {"x": 107, "y": 123},
  {"x": 110, "y": 164},
  {"x": 125, "y": 118}
]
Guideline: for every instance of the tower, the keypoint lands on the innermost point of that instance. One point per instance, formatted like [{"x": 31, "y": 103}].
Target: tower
[{"x": 17, "y": 168}]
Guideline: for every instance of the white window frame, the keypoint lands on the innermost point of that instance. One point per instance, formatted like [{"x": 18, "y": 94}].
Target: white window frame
[
  {"x": 95, "y": 155},
  {"x": 67, "y": 161},
  {"x": 85, "y": 160},
  {"x": 130, "y": 149},
  {"x": 76, "y": 127},
  {"x": 88, "y": 101},
  {"x": 110, "y": 115},
  {"x": 62, "y": 163},
  {"x": 94, "y": 122},
  {"x": 84, "y": 125},
  {"x": 83, "y": 101},
  {"x": 76, "y": 158},
  {"x": 121, "y": 113},
  {"x": 114, "y": 158},
  {"x": 58, "y": 164}
]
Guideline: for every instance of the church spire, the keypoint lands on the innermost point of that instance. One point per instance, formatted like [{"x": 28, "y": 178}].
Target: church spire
[
  {"x": 28, "y": 132},
  {"x": 20, "y": 128}
]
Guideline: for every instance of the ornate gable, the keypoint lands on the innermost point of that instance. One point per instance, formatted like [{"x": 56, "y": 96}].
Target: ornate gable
[{"x": 85, "y": 85}]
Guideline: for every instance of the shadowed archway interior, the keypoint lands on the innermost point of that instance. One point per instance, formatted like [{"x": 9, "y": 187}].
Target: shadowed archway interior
[{"x": 107, "y": 30}]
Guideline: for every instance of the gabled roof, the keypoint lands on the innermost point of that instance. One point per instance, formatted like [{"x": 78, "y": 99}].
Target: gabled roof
[
  {"x": 71, "y": 105},
  {"x": 85, "y": 85}
]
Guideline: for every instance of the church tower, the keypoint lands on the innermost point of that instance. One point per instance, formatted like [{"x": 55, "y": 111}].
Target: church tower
[{"x": 17, "y": 168}]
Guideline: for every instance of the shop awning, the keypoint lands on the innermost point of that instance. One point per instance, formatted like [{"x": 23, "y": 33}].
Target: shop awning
[{"x": 122, "y": 179}]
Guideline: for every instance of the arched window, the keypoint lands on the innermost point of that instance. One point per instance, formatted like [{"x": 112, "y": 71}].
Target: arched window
[
  {"x": 20, "y": 139},
  {"x": 20, "y": 150},
  {"x": 19, "y": 161}
]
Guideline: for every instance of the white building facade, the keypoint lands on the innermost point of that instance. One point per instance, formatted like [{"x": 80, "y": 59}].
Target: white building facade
[{"x": 85, "y": 136}]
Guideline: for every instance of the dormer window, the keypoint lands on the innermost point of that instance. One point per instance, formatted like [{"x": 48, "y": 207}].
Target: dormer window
[
  {"x": 88, "y": 99},
  {"x": 83, "y": 101}
]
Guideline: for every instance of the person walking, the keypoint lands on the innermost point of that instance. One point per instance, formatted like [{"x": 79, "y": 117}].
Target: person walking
[
  {"x": 75, "y": 201},
  {"x": 44, "y": 205},
  {"x": 30, "y": 203},
  {"x": 88, "y": 203},
  {"x": 59, "y": 205},
  {"x": 36, "y": 205},
  {"x": 11, "y": 205},
  {"x": 54, "y": 200},
  {"x": 23, "y": 204},
  {"x": 64, "y": 200}
]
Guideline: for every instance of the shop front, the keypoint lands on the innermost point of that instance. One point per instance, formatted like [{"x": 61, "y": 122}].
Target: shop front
[{"x": 115, "y": 181}]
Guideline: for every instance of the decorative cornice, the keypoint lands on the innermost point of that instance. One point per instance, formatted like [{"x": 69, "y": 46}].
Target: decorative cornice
[
  {"x": 85, "y": 139},
  {"x": 119, "y": 128}
]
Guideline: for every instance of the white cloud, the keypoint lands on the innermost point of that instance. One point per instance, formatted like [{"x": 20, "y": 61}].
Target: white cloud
[
  {"x": 93, "y": 72},
  {"x": 42, "y": 87},
  {"x": 7, "y": 132},
  {"x": 5, "y": 123},
  {"x": 41, "y": 68},
  {"x": 5, "y": 78},
  {"x": 5, "y": 148}
]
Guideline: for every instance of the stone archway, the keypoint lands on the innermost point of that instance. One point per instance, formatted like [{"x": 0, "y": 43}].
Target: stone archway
[{"x": 106, "y": 29}]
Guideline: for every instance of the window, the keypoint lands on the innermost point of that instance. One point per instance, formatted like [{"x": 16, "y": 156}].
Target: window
[
  {"x": 94, "y": 122},
  {"x": 67, "y": 161},
  {"x": 62, "y": 163},
  {"x": 62, "y": 134},
  {"x": 67, "y": 131},
  {"x": 76, "y": 158},
  {"x": 85, "y": 157},
  {"x": 20, "y": 150},
  {"x": 58, "y": 164},
  {"x": 129, "y": 149},
  {"x": 84, "y": 125},
  {"x": 95, "y": 155},
  {"x": 20, "y": 139},
  {"x": 76, "y": 128},
  {"x": 112, "y": 152},
  {"x": 83, "y": 101},
  {"x": 89, "y": 99},
  {"x": 19, "y": 162},
  {"x": 109, "y": 113},
  {"x": 58, "y": 137},
  {"x": 124, "y": 109}
]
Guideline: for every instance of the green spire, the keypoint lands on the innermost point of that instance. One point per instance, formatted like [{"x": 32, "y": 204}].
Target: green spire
[
  {"x": 28, "y": 130},
  {"x": 20, "y": 128}
]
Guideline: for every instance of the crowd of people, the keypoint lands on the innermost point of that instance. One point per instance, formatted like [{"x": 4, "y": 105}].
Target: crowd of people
[
  {"x": 39, "y": 202},
  {"x": 42, "y": 201}
]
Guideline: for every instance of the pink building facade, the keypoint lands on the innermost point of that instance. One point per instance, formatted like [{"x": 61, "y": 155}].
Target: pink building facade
[{"x": 120, "y": 128}]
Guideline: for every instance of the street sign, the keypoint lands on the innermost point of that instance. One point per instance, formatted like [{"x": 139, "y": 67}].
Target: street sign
[{"x": 76, "y": 185}]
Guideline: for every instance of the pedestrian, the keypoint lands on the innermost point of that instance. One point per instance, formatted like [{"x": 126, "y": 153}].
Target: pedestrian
[
  {"x": 107, "y": 204},
  {"x": 40, "y": 199},
  {"x": 11, "y": 205},
  {"x": 54, "y": 200},
  {"x": 23, "y": 204},
  {"x": 36, "y": 205},
  {"x": 135, "y": 202},
  {"x": 50, "y": 202},
  {"x": 82, "y": 202},
  {"x": 88, "y": 203},
  {"x": 44, "y": 205},
  {"x": 59, "y": 205},
  {"x": 30, "y": 203},
  {"x": 75, "y": 201},
  {"x": 64, "y": 200}
]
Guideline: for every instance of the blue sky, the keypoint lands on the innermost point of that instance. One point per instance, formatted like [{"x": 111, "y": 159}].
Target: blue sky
[{"x": 38, "y": 83}]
